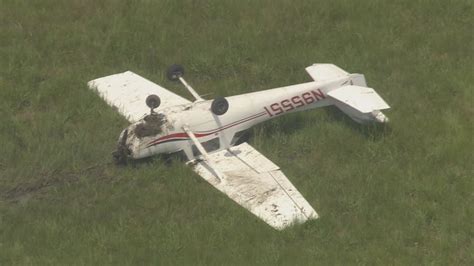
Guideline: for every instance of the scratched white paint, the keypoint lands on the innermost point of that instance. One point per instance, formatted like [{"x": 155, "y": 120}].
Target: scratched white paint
[{"x": 257, "y": 184}]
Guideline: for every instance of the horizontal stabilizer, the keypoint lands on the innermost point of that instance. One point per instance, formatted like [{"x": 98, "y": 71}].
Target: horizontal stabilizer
[
  {"x": 363, "y": 99},
  {"x": 323, "y": 72}
]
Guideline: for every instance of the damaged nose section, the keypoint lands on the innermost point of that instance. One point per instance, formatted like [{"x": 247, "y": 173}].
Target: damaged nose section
[
  {"x": 379, "y": 117},
  {"x": 123, "y": 152}
]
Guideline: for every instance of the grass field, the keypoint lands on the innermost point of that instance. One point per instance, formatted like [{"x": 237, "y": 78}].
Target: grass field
[{"x": 399, "y": 195}]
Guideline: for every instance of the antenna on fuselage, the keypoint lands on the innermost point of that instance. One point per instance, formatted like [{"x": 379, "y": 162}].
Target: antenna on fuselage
[{"x": 176, "y": 73}]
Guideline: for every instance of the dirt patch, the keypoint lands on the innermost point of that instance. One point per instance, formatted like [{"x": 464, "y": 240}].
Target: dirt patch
[
  {"x": 27, "y": 190},
  {"x": 150, "y": 127}
]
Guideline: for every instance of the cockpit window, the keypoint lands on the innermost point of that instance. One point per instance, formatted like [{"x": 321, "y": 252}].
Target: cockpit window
[
  {"x": 150, "y": 125},
  {"x": 209, "y": 146},
  {"x": 240, "y": 137}
]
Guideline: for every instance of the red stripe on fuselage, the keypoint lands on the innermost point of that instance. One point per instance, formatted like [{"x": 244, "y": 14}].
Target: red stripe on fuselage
[
  {"x": 184, "y": 136},
  {"x": 233, "y": 123}
]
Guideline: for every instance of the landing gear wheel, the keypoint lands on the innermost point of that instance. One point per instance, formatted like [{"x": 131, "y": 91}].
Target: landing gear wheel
[
  {"x": 219, "y": 106},
  {"x": 153, "y": 101},
  {"x": 174, "y": 72}
]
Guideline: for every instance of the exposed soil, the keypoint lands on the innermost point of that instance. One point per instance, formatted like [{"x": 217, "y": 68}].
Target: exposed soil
[
  {"x": 150, "y": 127},
  {"x": 28, "y": 190}
]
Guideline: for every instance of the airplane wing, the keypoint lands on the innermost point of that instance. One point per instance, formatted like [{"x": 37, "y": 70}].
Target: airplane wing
[
  {"x": 257, "y": 184},
  {"x": 127, "y": 92}
]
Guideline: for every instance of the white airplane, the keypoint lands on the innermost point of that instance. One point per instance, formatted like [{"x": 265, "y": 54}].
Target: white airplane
[{"x": 208, "y": 131}]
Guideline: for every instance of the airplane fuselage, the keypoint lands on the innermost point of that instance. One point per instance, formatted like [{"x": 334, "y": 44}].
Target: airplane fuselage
[
  {"x": 165, "y": 132},
  {"x": 220, "y": 132}
]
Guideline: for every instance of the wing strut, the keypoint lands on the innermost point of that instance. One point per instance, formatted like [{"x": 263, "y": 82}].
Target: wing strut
[
  {"x": 205, "y": 155},
  {"x": 190, "y": 89}
]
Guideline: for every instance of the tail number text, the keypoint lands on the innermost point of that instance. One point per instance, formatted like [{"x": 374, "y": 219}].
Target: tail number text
[{"x": 294, "y": 102}]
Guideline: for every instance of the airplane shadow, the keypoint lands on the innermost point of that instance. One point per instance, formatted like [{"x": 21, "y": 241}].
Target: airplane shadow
[
  {"x": 372, "y": 131},
  {"x": 164, "y": 159},
  {"x": 287, "y": 125}
]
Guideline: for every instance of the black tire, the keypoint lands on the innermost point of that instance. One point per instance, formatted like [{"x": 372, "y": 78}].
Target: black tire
[
  {"x": 153, "y": 101},
  {"x": 219, "y": 106},
  {"x": 174, "y": 72}
]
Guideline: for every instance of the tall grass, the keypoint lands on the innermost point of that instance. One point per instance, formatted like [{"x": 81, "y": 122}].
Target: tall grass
[{"x": 395, "y": 195}]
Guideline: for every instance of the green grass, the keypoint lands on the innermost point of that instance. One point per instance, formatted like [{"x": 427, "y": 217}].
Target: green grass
[{"x": 397, "y": 195}]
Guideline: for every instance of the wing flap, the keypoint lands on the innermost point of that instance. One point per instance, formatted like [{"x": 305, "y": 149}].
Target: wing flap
[
  {"x": 259, "y": 186},
  {"x": 360, "y": 98},
  {"x": 127, "y": 92}
]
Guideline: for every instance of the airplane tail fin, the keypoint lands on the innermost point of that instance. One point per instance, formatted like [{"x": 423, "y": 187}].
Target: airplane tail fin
[{"x": 361, "y": 103}]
